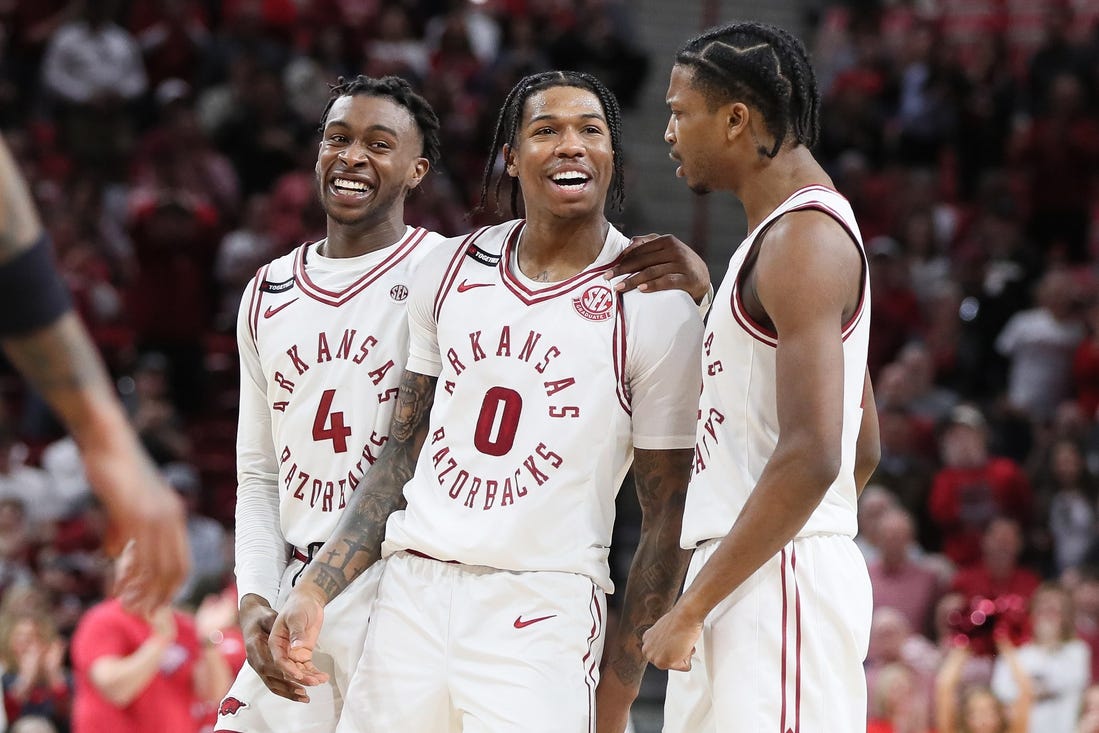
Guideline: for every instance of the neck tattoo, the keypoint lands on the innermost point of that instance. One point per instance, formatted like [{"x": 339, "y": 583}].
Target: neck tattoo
[{"x": 542, "y": 277}]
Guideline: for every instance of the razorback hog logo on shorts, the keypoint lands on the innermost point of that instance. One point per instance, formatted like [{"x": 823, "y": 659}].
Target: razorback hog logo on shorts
[
  {"x": 595, "y": 303},
  {"x": 231, "y": 706}
]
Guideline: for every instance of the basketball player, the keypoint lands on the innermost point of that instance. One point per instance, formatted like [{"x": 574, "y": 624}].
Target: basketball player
[
  {"x": 322, "y": 335},
  {"x": 772, "y": 629},
  {"x": 47, "y": 343},
  {"x": 529, "y": 388}
]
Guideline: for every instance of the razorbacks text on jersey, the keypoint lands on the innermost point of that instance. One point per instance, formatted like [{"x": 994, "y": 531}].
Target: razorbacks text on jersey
[
  {"x": 323, "y": 342},
  {"x": 543, "y": 391},
  {"x": 738, "y": 415}
]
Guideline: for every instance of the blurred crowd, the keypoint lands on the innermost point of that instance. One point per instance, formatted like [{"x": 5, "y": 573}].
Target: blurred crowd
[
  {"x": 966, "y": 134},
  {"x": 171, "y": 143}
]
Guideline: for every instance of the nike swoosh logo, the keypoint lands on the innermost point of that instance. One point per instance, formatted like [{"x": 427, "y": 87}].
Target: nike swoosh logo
[
  {"x": 272, "y": 311},
  {"x": 465, "y": 285},
  {"x": 521, "y": 624}
]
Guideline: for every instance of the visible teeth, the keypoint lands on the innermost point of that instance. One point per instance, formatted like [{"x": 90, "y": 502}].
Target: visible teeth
[
  {"x": 352, "y": 185},
  {"x": 570, "y": 180}
]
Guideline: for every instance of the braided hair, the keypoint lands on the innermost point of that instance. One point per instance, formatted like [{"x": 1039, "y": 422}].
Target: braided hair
[
  {"x": 764, "y": 66},
  {"x": 401, "y": 92},
  {"x": 511, "y": 114}
]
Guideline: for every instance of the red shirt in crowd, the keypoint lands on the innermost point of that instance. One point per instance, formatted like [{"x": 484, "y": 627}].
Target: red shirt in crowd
[
  {"x": 166, "y": 706},
  {"x": 964, "y": 500}
]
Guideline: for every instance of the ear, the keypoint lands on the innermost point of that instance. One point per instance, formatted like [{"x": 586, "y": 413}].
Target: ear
[
  {"x": 738, "y": 116},
  {"x": 509, "y": 162},
  {"x": 420, "y": 167}
]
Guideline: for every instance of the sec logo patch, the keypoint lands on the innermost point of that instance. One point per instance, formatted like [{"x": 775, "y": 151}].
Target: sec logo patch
[
  {"x": 399, "y": 293},
  {"x": 595, "y": 303}
]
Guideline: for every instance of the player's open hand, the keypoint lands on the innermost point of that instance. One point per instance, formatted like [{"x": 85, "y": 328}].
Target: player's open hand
[
  {"x": 257, "y": 618},
  {"x": 671, "y": 641},
  {"x": 146, "y": 512},
  {"x": 661, "y": 262},
  {"x": 294, "y": 636}
]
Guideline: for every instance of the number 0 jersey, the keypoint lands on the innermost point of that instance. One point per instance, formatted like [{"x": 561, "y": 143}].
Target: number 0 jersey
[
  {"x": 738, "y": 412},
  {"x": 322, "y": 346},
  {"x": 543, "y": 392}
]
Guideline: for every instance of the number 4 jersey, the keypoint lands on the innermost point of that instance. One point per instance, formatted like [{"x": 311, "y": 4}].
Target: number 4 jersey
[
  {"x": 322, "y": 345},
  {"x": 544, "y": 390}
]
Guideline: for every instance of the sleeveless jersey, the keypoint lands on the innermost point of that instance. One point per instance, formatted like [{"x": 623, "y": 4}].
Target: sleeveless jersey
[
  {"x": 543, "y": 392},
  {"x": 323, "y": 343},
  {"x": 738, "y": 414}
]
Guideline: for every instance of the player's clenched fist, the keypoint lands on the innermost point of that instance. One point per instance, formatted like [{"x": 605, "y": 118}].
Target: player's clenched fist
[
  {"x": 257, "y": 618},
  {"x": 671, "y": 641},
  {"x": 294, "y": 636}
]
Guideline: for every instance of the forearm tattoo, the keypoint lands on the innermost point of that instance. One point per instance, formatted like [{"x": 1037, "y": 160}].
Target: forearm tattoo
[
  {"x": 357, "y": 542},
  {"x": 659, "y": 564},
  {"x": 59, "y": 360}
]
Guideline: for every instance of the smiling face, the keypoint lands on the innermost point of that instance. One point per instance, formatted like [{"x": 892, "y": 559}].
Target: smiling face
[
  {"x": 562, "y": 153},
  {"x": 370, "y": 155},
  {"x": 696, "y": 132}
]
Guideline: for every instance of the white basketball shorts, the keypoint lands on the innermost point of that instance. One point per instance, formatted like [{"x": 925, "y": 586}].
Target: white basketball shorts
[
  {"x": 784, "y": 652},
  {"x": 249, "y": 707},
  {"x": 466, "y": 648}
]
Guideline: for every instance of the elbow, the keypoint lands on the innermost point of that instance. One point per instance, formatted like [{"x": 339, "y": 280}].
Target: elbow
[{"x": 822, "y": 468}]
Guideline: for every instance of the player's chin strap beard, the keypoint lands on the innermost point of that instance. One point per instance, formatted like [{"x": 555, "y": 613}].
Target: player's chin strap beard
[{"x": 306, "y": 557}]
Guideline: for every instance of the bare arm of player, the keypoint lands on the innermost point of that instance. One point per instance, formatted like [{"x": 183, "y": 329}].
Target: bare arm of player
[
  {"x": 807, "y": 278},
  {"x": 356, "y": 544},
  {"x": 868, "y": 446},
  {"x": 60, "y": 361},
  {"x": 662, "y": 262},
  {"x": 655, "y": 576}
]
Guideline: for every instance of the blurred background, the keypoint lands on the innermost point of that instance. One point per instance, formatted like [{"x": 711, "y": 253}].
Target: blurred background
[{"x": 170, "y": 145}]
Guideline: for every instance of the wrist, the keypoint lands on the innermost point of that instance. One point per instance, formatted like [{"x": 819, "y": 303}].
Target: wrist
[
  {"x": 691, "y": 609},
  {"x": 704, "y": 296}
]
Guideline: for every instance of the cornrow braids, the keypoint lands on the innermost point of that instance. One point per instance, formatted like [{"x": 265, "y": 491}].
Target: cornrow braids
[
  {"x": 401, "y": 92},
  {"x": 765, "y": 67},
  {"x": 511, "y": 114}
]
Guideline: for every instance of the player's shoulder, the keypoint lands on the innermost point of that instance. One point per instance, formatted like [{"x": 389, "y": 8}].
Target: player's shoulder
[
  {"x": 664, "y": 309},
  {"x": 482, "y": 246}
]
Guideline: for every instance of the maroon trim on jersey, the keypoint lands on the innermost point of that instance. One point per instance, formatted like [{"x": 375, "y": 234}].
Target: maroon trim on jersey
[
  {"x": 253, "y": 305},
  {"x": 618, "y": 346},
  {"x": 338, "y": 298},
  {"x": 755, "y": 329},
  {"x": 768, "y": 335},
  {"x": 553, "y": 290},
  {"x": 452, "y": 269},
  {"x": 589, "y": 676}
]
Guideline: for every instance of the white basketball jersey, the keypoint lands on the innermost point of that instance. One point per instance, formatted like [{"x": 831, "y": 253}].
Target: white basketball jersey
[
  {"x": 738, "y": 414},
  {"x": 323, "y": 340},
  {"x": 543, "y": 392}
]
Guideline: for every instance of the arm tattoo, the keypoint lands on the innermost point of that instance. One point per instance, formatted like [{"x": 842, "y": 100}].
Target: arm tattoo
[
  {"x": 658, "y": 564},
  {"x": 357, "y": 542},
  {"x": 59, "y": 360}
]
